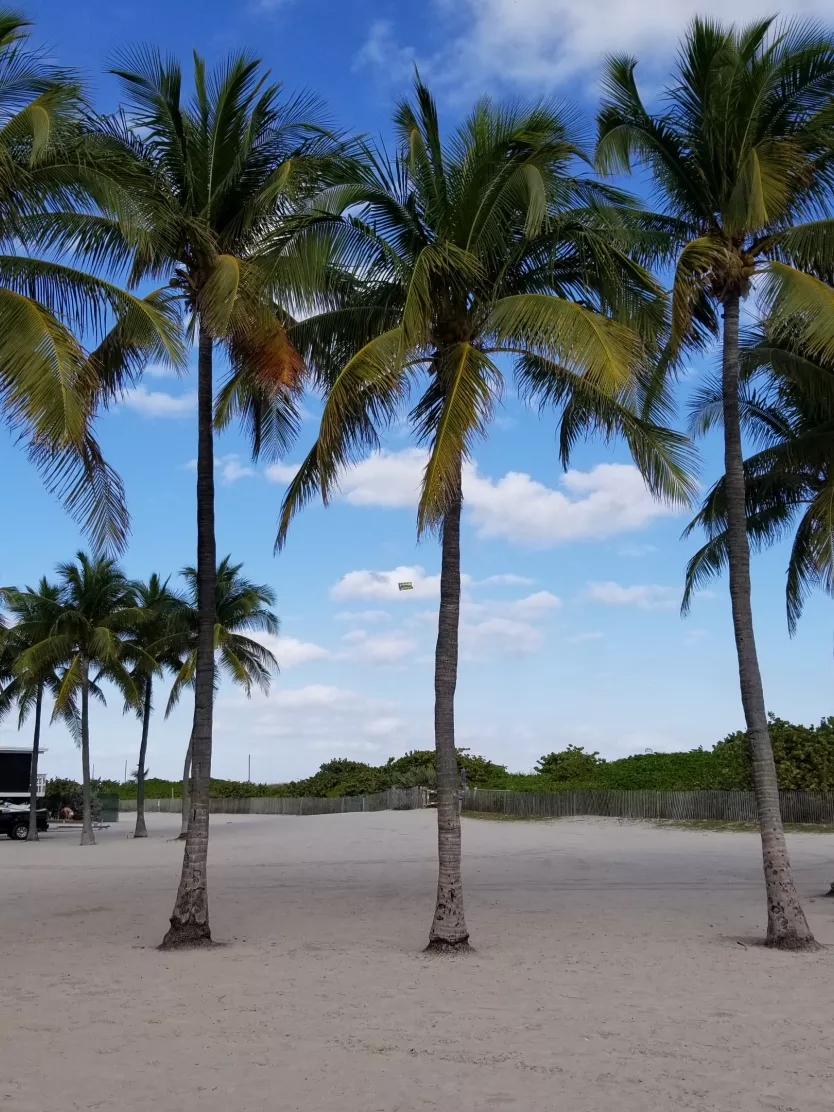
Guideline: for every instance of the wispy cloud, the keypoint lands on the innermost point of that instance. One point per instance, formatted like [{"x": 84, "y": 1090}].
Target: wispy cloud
[
  {"x": 534, "y": 45},
  {"x": 230, "y": 468},
  {"x": 645, "y": 596},
  {"x": 157, "y": 403},
  {"x": 609, "y": 499}
]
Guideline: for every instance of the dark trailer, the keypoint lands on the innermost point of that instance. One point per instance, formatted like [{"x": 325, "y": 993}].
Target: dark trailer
[{"x": 15, "y": 769}]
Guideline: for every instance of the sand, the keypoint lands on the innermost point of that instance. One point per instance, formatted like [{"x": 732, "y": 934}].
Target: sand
[{"x": 608, "y": 973}]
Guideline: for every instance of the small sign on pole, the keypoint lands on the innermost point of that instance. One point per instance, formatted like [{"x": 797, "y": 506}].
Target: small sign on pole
[{"x": 406, "y": 586}]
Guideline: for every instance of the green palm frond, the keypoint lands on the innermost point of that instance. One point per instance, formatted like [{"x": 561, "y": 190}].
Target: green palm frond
[
  {"x": 457, "y": 410},
  {"x": 447, "y": 253}
]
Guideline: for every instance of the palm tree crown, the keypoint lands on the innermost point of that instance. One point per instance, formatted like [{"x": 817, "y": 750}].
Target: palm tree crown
[
  {"x": 789, "y": 416},
  {"x": 48, "y": 378},
  {"x": 242, "y": 606},
  {"x": 742, "y": 163},
  {"x": 452, "y": 256},
  {"x": 87, "y": 637}
]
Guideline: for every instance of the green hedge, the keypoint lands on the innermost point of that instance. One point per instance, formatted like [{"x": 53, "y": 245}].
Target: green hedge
[{"x": 804, "y": 761}]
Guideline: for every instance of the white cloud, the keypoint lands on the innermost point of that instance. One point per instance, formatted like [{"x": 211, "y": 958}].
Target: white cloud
[
  {"x": 386, "y": 648},
  {"x": 287, "y": 726},
  {"x": 231, "y": 469},
  {"x": 160, "y": 370},
  {"x": 156, "y": 403},
  {"x": 487, "y": 627},
  {"x": 497, "y": 636},
  {"x": 636, "y": 551},
  {"x": 362, "y": 616},
  {"x": 386, "y": 479},
  {"x": 506, "y": 579},
  {"x": 384, "y": 584},
  {"x": 645, "y": 596},
  {"x": 282, "y": 473},
  {"x": 290, "y": 651},
  {"x": 534, "y": 44},
  {"x": 535, "y": 606},
  {"x": 380, "y": 51},
  {"x": 610, "y": 498}
]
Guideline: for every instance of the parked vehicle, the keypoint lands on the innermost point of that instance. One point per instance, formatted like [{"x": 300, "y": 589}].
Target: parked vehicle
[{"x": 14, "y": 821}]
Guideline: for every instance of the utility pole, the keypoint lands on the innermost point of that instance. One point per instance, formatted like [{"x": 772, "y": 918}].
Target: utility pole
[{"x": 249, "y": 773}]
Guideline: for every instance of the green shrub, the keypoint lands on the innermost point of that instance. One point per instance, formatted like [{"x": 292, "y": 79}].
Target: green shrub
[
  {"x": 571, "y": 765},
  {"x": 804, "y": 756},
  {"x": 68, "y": 793}
]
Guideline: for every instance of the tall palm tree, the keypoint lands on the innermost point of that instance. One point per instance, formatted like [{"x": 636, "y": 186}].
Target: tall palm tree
[
  {"x": 96, "y": 610},
  {"x": 741, "y": 159},
  {"x": 48, "y": 377},
  {"x": 33, "y": 611},
  {"x": 154, "y": 644},
  {"x": 454, "y": 255},
  {"x": 211, "y": 180},
  {"x": 789, "y": 481},
  {"x": 241, "y": 606}
]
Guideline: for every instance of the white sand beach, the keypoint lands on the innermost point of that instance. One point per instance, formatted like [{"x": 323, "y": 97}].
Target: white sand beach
[{"x": 616, "y": 970}]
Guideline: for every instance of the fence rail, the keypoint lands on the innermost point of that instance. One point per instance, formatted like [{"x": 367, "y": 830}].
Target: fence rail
[
  {"x": 395, "y": 799},
  {"x": 803, "y": 807}
]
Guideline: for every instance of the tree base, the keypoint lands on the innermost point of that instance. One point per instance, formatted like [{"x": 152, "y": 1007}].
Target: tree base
[
  {"x": 187, "y": 936},
  {"x": 183, "y": 834},
  {"x": 443, "y": 946},
  {"x": 140, "y": 833},
  {"x": 794, "y": 945}
]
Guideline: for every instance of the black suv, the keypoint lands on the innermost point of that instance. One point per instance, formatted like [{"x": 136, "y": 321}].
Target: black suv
[{"x": 15, "y": 823}]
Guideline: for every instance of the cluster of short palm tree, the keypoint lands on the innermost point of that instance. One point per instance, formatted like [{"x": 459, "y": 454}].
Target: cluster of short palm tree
[
  {"x": 310, "y": 259},
  {"x": 65, "y": 639}
]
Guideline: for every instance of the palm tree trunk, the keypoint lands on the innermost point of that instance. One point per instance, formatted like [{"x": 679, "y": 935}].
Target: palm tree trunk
[
  {"x": 190, "y": 918},
  {"x": 141, "y": 830},
  {"x": 186, "y": 792},
  {"x": 787, "y": 927},
  {"x": 88, "y": 838},
  {"x": 33, "y": 775},
  {"x": 448, "y": 930}
]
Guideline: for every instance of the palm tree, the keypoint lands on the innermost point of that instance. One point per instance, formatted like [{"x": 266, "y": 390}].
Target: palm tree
[
  {"x": 211, "y": 181},
  {"x": 34, "y": 611},
  {"x": 48, "y": 378},
  {"x": 155, "y": 645},
  {"x": 96, "y": 609},
  {"x": 453, "y": 255},
  {"x": 241, "y": 606},
  {"x": 741, "y": 160},
  {"x": 789, "y": 480}
]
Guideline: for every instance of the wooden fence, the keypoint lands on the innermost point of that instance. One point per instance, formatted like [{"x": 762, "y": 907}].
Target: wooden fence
[
  {"x": 807, "y": 807},
  {"x": 395, "y": 799}
]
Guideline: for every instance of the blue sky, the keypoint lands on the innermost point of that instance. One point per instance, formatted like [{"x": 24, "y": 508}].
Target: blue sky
[{"x": 571, "y": 631}]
